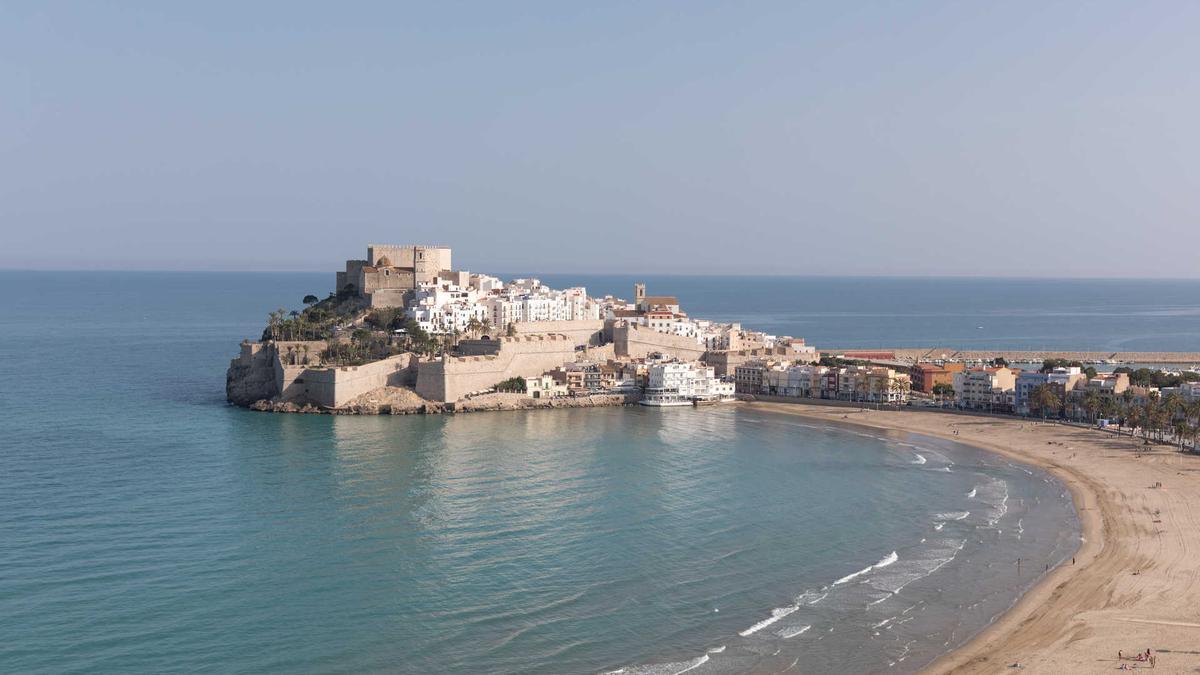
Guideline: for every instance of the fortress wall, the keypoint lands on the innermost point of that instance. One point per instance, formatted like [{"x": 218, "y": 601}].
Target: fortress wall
[
  {"x": 581, "y": 332},
  {"x": 451, "y": 378},
  {"x": 334, "y": 387},
  {"x": 251, "y": 376},
  {"x": 390, "y": 297},
  {"x": 636, "y": 342},
  {"x": 479, "y": 347},
  {"x": 601, "y": 354}
]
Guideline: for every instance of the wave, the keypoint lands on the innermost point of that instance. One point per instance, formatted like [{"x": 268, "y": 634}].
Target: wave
[
  {"x": 717, "y": 650},
  {"x": 918, "y": 568},
  {"x": 677, "y": 668},
  {"x": 971, "y": 494},
  {"x": 887, "y": 560},
  {"x": 995, "y": 495},
  {"x": 792, "y": 632},
  {"x": 776, "y": 614},
  {"x": 920, "y": 458},
  {"x": 812, "y": 597},
  {"x": 952, "y": 515}
]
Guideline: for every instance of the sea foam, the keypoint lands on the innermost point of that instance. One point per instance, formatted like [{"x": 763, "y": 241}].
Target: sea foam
[
  {"x": 776, "y": 614},
  {"x": 887, "y": 560}
]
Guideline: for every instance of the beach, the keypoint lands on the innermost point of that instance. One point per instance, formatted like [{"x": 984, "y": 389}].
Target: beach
[{"x": 1134, "y": 584}]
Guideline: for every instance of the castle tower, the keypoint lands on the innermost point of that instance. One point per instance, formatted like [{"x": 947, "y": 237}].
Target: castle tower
[{"x": 639, "y": 293}]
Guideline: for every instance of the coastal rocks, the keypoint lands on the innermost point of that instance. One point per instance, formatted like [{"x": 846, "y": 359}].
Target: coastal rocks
[
  {"x": 247, "y": 384},
  {"x": 501, "y": 401},
  {"x": 401, "y": 401},
  {"x": 264, "y": 405}
]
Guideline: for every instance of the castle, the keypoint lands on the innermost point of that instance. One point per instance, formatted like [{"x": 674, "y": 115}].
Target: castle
[{"x": 390, "y": 274}]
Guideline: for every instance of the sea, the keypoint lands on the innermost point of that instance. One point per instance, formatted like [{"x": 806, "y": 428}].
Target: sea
[{"x": 147, "y": 526}]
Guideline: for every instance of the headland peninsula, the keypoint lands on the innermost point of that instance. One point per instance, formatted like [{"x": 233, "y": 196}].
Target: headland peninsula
[{"x": 404, "y": 332}]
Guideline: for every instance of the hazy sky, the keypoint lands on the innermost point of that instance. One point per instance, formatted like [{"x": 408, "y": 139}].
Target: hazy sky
[{"x": 1005, "y": 138}]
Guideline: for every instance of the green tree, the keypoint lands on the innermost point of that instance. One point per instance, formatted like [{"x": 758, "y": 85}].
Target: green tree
[
  {"x": 1133, "y": 417},
  {"x": 1091, "y": 403},
  {"x": 1044, "y": 398},
  {"x": 516, "y": 384},
  {"x": 311, "y": 300}
]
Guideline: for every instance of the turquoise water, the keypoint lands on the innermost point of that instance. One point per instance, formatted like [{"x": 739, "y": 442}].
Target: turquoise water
[{"x": 148, "y": 527}]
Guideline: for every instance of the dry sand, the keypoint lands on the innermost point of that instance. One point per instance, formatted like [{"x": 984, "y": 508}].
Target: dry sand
[{"x": 1135, "y": 583}]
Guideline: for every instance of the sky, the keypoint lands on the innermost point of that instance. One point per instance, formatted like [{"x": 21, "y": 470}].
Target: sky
[{"x": 843, "y": 138}]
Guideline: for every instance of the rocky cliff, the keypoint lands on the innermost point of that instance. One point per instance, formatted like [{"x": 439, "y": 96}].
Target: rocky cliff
[{"x": 251, "y": 376}]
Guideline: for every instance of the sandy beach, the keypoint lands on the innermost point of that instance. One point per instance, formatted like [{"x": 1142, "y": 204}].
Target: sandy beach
[{"x": 1135, "y": 582}]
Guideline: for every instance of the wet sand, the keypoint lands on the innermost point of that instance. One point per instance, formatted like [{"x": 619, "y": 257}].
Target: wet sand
[{"x": 1135, "y": 583}]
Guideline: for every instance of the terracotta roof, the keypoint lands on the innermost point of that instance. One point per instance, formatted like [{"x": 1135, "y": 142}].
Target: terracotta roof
[{"x": 661, "y": 300}]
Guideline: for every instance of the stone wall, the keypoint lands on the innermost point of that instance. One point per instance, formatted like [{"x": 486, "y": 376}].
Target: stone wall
[
  {"x": 251, "y": 376},
  {"x": 334, "y": 387},
  {"x": 263, "y": 371},
  {"x": 452, "y": 377},
  {"x": 636, "y": 342},
  {"x": 581, "y": 332}
]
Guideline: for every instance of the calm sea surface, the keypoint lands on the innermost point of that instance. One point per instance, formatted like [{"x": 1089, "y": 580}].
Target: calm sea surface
[{"x": 145, "y": 526}]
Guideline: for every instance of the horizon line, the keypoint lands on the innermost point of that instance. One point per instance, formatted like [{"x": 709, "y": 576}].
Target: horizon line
[{"x": 980, "y": 277}]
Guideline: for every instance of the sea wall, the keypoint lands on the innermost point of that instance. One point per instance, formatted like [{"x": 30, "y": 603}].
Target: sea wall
[
  {"x": 277, "y": 372},
  {"x": 334, "y": 387},
  {"x": 949, "y": 353},
  {"x": 635, "y": 341},
  {"x": 450, "y": 378}
]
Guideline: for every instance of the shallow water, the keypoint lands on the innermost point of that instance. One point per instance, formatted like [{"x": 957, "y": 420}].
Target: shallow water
[{"x": 149, "y": 527}]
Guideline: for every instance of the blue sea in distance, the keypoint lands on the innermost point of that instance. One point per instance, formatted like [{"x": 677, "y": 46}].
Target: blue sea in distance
[{"x": 146, "y": 526}]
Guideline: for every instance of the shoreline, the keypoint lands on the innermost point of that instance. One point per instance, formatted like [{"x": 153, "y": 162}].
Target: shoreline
[{"x": 1077, "y": 616}]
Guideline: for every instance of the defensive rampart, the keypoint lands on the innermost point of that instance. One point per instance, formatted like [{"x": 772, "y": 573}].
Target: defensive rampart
[
  {"x": 452, "y": 377},
  {"x": 582, "y": 332},
  {"x": 277, "y": 372},
  {"x": 334, "y": 387},
  {"x": 636, "y": 342}
]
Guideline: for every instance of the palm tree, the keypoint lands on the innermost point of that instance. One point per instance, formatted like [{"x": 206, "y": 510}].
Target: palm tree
[
  {"x": 1134, "y": 417},
  {"x": 1180, "y": 428},
  {"x": 1091, "y": 403},
  {"x": 1173, "y": 406},
  {"x": 1045, "y": 398},
  {"x": 474, "y": 326},
  {"x": 294, "y": 323},
  {"x": 1108, "y": 407},
  {"x": 1192, "y": 413}
]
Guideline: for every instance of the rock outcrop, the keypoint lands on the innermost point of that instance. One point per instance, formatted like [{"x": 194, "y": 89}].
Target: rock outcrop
[{"x": 251, "y": 376}]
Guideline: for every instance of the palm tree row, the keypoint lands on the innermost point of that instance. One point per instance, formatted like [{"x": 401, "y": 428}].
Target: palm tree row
[{"x": 1155, "y": 416}]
